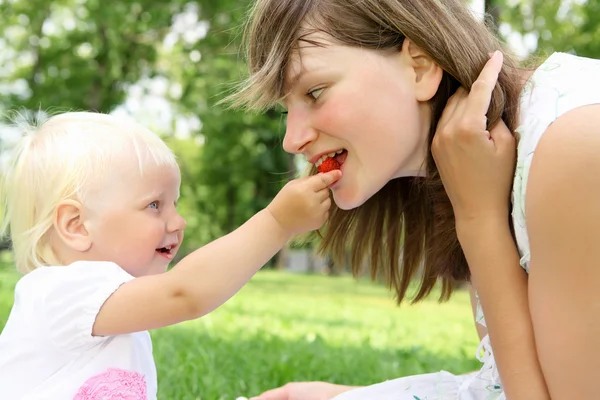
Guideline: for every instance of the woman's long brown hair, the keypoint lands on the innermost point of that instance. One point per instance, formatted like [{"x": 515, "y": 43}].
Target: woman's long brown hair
[{"x": 407, "y": 229}]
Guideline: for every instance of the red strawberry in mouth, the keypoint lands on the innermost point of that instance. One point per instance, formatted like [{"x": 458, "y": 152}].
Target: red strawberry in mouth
[{"x": 328, "y": 165}]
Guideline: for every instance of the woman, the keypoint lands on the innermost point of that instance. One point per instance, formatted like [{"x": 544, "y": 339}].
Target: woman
[{"x": 407, "y": 98}]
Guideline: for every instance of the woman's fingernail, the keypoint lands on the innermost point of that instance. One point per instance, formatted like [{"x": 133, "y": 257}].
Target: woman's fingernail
[{"x": 495, "y": 53}]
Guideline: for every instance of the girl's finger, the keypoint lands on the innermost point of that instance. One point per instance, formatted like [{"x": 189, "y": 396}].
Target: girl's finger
[{"x": 324, "y": 195}]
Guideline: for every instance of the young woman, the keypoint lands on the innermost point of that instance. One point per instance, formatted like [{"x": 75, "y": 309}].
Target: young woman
[{"x": 454, "y": 160}]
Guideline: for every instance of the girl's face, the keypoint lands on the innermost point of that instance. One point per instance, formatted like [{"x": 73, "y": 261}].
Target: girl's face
[
  {"x": 134, "y": 222},
  {"x": 369, "y": 108}
]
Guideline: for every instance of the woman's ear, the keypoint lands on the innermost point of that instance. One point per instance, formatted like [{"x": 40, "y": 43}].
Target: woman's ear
[
  {"x": 428, "y": 74},
  {"x": 68, "y": 223}
]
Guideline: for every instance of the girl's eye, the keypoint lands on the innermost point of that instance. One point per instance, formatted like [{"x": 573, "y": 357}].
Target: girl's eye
[
  {"x": 154, "y": 205},
  {"x": 314, "y": 94}
]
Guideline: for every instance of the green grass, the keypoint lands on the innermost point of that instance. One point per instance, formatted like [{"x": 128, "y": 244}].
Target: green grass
[{"x": 283, "y": 327}]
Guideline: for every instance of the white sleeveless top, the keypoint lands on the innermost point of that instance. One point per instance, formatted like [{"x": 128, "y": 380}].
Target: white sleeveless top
[{"x": 561, "y": 84}]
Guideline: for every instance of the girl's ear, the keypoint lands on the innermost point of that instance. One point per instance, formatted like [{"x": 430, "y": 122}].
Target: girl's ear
[{"x": 68, "y": 223}]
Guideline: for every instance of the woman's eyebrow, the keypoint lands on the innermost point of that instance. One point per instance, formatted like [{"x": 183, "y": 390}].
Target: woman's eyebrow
[
  {"x": 294, "y": 78},
  {"x": 297, "y": 76}
]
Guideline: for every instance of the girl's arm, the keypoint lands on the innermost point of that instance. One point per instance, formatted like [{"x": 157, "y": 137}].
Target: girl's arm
[
  {"x": 209, "y": 276},
  {"x": 563, "y": 220}
]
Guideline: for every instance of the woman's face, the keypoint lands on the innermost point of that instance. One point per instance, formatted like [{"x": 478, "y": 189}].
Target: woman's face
[{"x": 368, "y": 108}]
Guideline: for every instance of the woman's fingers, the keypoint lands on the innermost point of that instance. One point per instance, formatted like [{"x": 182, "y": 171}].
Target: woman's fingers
[{"x": 481, "y": 90}]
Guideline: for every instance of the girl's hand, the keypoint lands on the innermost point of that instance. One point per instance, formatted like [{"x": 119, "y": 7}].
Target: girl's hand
[
  {"x": 303, "y": 204},
  {"x": 476, "y": 166}
]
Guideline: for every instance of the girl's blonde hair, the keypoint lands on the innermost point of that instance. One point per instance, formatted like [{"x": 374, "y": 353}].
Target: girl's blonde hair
[
  {"x": 58, "y": 158},
  {"x": 408, "y": 226}
]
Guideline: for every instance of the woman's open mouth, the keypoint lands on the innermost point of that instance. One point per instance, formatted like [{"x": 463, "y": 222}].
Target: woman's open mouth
[{"x": 339, "y": 156}]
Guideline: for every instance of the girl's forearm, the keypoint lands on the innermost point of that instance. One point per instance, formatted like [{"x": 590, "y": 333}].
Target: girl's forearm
[
  {"x": 216, "y": 271},
  {"x": 502, "y": 288}
]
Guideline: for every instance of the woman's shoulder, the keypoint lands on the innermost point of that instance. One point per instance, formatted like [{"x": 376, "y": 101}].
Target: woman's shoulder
[
  {"x": 560, "y": 92},
  {"x": 563, "y": 193}
]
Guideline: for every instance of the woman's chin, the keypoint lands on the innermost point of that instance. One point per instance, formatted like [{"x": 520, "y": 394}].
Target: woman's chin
[
  {"x": 353, "y": 194},
  {"x": 347, "y": 201}
]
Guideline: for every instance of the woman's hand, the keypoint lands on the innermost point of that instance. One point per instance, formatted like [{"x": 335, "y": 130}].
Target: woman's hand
[
  {"x": 304, "y": 391},
  {"x": 476, "y": 166}
]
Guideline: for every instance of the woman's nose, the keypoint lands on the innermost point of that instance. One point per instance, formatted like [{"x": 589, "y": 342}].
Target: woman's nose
[{"x": 298, "y": 133}]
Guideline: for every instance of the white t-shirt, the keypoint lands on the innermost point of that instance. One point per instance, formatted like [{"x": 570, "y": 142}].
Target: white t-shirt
[{"x": 47, "y": 350}]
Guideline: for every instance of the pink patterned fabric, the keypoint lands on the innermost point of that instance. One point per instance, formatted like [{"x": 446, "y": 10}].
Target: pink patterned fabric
[{"x": 114, "y": 384}]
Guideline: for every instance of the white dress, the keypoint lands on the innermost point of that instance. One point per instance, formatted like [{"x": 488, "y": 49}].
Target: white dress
[
  {"x": 562, "y": 83},
  {"x": 47, "y": 351}
]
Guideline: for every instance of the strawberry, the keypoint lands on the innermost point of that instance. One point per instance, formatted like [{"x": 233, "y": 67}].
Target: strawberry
[{"x": 329, "y": 165}]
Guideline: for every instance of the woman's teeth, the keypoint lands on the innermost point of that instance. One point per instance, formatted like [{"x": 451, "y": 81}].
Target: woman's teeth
[{"x": 326, "y": 156}]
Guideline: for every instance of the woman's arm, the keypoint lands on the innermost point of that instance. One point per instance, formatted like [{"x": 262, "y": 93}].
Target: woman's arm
[
  {"x": 476, "y": 167},
  {"x": 502, "y": 288},
  {"x": 563, "y": 220}
]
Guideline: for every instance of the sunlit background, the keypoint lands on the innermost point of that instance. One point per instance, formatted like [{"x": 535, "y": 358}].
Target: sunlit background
[{"x": 166, "y": 64}]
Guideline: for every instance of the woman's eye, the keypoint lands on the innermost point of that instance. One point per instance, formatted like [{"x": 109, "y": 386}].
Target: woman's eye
[
  {"x": 154, "y": 205},
  {"x": 316, "y": 93}
]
